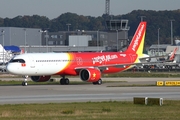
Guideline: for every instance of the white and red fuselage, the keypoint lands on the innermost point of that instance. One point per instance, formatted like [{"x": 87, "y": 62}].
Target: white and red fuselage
[{"x": 69, "y": 63}]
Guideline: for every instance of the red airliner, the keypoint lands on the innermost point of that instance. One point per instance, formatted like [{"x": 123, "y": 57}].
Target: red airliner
[{"x": 89, "y": 66}]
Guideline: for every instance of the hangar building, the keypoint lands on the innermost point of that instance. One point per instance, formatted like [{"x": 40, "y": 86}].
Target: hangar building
[{"x": 35, "y": 40}]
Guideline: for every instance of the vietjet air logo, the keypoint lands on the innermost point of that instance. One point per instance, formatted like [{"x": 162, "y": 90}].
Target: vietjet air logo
[
  {"x": 137, "y": 39},
  {"x": 103, "y": 58}
]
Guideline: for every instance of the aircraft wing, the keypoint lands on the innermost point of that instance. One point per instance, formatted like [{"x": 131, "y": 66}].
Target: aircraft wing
[
  {"x": 145, "y": 58},
  {"x": 105, "y": 67}
]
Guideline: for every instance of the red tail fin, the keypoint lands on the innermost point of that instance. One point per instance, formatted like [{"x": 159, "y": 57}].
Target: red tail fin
[
  {"x": 173, "y": 54},
  {"x": 137, "y": 43},
  {"x": 22, "y": 51}
]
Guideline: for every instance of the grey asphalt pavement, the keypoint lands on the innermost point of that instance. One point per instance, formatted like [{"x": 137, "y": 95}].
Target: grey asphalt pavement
[{"x": 87, "y": 92}]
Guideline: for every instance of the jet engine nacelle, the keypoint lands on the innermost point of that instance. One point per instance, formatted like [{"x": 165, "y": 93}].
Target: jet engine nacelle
[
  {"x": 40, "y": 78},
  {"x": 90, "y": 75}
]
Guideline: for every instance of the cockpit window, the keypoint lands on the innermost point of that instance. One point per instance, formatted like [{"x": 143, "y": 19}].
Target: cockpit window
[{"x": 17, "y": 61}]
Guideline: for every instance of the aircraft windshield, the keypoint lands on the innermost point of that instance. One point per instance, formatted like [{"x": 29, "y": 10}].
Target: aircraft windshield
[{"x": 17, "y": 61}]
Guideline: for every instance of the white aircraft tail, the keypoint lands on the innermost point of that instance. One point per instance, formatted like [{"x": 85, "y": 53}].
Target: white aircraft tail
[
  {"x": 2, "y": 49},
  {"x": 5, "y": 56},
  {"x": 22, "y": 51}
]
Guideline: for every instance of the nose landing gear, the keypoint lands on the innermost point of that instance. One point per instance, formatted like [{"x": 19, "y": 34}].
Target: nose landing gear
[{"x": 24, "y": 83}]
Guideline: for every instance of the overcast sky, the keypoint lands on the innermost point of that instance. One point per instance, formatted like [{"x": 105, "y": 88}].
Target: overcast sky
[{"x": 54, "y": 8}]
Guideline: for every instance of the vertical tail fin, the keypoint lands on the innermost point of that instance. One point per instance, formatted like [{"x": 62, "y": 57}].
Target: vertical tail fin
[
  {"x": 22, "y": 51},
  {"x": 137, "y": 44},
  {"x": 172, "y": 56},
  {"x": 2, "y": 49}
]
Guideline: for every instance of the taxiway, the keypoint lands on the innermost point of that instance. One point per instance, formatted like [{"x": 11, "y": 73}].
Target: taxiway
[{"x": 87, "y": 92}]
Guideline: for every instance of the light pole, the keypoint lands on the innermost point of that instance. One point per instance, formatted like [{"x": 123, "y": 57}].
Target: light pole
[
  {"x": 68, "y": 24},
  {"x": 172, "y": 31},
  {"x": 98, "y": 40},
  {"x": 117, "y": 40},
  {"x": 40, "y": 37},
  {"x": 158, "y": 41},
  {"x": 46, "y": 37},
  {"x": 24, "y": 40}
]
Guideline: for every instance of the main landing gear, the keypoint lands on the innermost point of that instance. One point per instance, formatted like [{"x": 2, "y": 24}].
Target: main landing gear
[
  {"x": 24, "y": 83},
  {"x": 99, "y": 82},
  {"x": 64, "y": 81}
]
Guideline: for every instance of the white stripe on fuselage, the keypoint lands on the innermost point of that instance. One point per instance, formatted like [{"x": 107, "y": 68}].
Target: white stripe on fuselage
[{"x": 39, "y": 64}]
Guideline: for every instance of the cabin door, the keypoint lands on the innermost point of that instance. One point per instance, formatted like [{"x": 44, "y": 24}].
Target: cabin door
[{"x": 32, "y": 62}]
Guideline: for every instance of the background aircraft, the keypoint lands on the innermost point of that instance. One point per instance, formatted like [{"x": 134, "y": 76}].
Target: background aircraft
[
  {"x": 4, "y": 55},
  {"x": 172, "y": 55},
  {"x": 89, "y": 66},
  {"x": 167, "y": 61}
]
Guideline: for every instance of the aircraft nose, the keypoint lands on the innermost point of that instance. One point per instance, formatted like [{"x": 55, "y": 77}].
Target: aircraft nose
[
  {"x": 10, "y": 69},
  {"x": 7, "y": 68}
]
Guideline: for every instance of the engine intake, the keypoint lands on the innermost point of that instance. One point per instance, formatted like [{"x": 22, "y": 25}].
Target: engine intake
[
  {"x": 90, "y": 75},
  {"x": 40, "y": 78}
]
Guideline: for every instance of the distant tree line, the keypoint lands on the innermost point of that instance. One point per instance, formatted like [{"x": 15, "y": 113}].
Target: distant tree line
[{"x": 155, "y": 20}]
